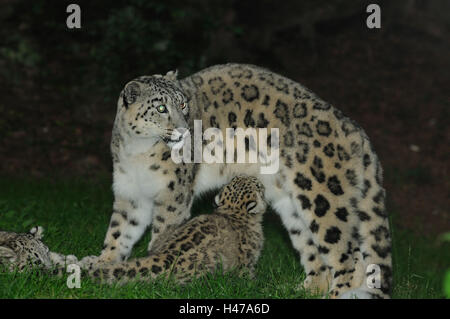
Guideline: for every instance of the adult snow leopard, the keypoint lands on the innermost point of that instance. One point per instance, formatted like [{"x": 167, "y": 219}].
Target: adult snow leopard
[{"x": 328, "y": 188}]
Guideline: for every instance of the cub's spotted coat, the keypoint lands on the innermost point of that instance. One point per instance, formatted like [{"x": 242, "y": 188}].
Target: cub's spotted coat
[
  {"x": 231, "y": 237},
  {"x": 21, "y": 251},
  {"x": 328, "y": 190}
]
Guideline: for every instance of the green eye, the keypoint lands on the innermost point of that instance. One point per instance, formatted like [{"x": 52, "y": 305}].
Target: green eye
[{"x": 162, "y": 109}]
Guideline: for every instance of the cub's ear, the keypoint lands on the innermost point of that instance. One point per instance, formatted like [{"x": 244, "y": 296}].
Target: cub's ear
[
  {"x": 256, "y": 207},
  {"x": 251, "y": 207},
  {"x": 216, "y": 201},
  {"x": 37, "y": 231},
  {"x": 7, "y": 255},
  {"x": 171, "y": 75}
]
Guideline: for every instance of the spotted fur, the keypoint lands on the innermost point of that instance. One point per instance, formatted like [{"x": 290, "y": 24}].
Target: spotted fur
[
  {"x": 328, "y": 190},
  {"x": 22, "y": 251},
  {"x": 229, "y": 238}
]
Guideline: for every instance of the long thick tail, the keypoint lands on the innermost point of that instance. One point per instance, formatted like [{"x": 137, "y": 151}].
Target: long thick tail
[
  {"x": 142, "y": 269},
  {"x": 139, "y": 269}
]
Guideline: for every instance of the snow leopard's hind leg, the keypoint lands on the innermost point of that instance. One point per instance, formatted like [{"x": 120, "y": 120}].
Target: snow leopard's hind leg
[
  {"x": 373, "y": 236},
  {"x": 317, "y": 274}
]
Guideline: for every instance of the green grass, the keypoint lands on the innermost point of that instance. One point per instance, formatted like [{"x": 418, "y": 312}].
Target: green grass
[{"x": 75, "y": 215}]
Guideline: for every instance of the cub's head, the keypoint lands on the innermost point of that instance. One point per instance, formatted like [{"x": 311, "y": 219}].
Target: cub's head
[
  {"x": 18, "y": 251},
  {"x": 154, "y": 107},
  {"x": 243, "y": 195}
]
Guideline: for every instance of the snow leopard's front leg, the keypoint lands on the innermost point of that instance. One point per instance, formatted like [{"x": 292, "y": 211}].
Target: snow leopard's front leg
[
  {"x": 165, "y": 197},
  {"x": 173, "y": 205},
  {"x": 129, "y": 221}
]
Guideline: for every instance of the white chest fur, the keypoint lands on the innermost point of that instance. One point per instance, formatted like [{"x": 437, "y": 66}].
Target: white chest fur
[
  {"x": 132, "y": 177},
  {"x": 136, "y": 181}
]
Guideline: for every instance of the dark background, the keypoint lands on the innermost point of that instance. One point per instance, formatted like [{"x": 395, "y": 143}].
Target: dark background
[{"x": 59, "y": 87}]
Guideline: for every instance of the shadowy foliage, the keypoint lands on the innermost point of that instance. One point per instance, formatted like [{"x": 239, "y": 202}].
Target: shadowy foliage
[{"x": 118, "y": 41}]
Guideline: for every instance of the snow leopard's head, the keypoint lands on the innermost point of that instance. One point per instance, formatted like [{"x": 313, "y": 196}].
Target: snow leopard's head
[
  {"x": 21, "y": 250},
  {"x": 154, "y": 107}
]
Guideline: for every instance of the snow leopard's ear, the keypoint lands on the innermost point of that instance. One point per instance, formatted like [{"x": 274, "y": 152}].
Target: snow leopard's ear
[
  {"x": 256, "y": 206},
  {"x": 37, "y": 231},
  {"x": 171, "y": 75},
  {"x": 217, "y": 201}
]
